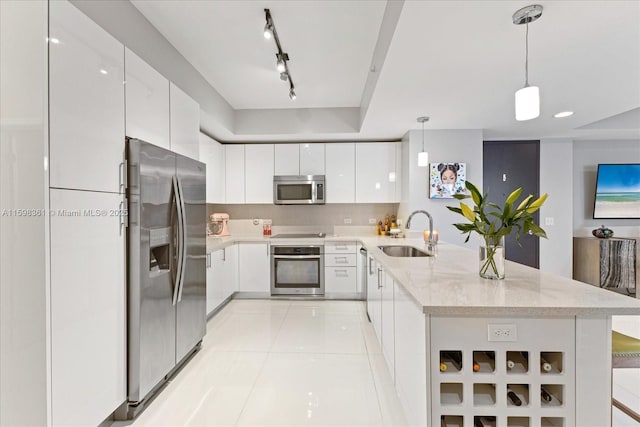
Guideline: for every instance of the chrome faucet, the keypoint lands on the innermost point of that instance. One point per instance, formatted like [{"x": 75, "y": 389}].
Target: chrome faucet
[{"x": 431, "y": 243}]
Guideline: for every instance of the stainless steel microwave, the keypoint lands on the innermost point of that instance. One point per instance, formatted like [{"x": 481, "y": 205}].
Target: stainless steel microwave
[{"x": 298, "y": 190}]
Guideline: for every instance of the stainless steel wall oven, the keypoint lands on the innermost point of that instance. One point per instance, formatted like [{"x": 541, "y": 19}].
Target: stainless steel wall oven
[{"x": 297, "y": 269}]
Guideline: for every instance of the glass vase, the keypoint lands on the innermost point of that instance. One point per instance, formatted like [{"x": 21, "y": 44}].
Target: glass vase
[{"x": 492, "y": 258}]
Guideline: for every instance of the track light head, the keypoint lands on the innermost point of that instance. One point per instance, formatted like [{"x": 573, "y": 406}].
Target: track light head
[
  {"x": 292, "y": 95},
  {"x": 280, "y": 65},
  {"x": 284, "y": 76},
  {"x": 268, "y": 31}
]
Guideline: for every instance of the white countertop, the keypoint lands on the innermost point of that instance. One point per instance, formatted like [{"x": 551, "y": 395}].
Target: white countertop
[{"x": 449, "y": 282}]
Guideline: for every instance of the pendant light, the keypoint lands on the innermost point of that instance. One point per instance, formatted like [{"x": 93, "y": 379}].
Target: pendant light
[
  {"x": 423, "y": 156},
  {"x": 527, "y": 98}
]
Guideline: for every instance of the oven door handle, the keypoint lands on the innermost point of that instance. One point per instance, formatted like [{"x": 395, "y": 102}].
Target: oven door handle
[{"x": 296, "y": 256}]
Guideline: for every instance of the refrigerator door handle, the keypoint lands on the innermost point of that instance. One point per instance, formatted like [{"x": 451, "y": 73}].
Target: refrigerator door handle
[
  {"x": 179, "y": 273},
  {"x": 183, "y": 243}
]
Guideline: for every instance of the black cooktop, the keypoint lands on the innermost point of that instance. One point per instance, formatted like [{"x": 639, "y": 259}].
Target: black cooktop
[{"x": 299, "y": 236}]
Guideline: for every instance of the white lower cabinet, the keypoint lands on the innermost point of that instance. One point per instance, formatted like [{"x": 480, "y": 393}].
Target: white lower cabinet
[
  {"x": 222, "y": 276},
  {"x": 254, "y": 267},
  {"x": 410, "y": 356},
  {"x": 88, "y": 337},
  {"x": 340, "y": 280},
  {"x": 387, "y": 310},
  {"x": 340, "y": 269},
  {"x": 380, "y": 309},
  {"x": 374, "y": 297}
]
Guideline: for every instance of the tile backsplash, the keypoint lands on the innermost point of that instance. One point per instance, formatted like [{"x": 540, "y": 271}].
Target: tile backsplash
[{"x": 322, "y": 216}]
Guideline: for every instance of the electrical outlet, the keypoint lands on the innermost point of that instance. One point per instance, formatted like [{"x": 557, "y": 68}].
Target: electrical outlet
[
  {"x": 548, "y": 220},
  {"x": 503, "y": 333},
  {"x": 372, "y": 221},
  {"x": 347, "y": 220}
]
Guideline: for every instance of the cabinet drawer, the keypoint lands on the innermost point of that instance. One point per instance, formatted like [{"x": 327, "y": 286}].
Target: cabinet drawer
[
  {"x": 337, "y": 260},
  {"x": 340, "y": 247},
  {"x": 340, "y": 279}
]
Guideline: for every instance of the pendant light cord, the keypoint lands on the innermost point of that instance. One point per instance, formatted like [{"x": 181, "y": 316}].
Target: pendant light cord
[
  {"x": 526, "y": 57},
  {"x": 423, "y": 136}
]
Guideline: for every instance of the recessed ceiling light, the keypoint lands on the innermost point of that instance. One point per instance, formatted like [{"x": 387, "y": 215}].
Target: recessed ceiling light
[
  {"x": 103, "y": 71},
  {"x": 563, "y": 114}
]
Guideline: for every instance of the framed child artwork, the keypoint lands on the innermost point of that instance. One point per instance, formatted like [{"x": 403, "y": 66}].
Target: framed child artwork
[{"x": 447, "y": 179}]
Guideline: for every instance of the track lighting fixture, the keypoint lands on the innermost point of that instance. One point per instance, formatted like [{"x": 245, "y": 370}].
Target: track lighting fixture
[{"x": 282, "y": 59}]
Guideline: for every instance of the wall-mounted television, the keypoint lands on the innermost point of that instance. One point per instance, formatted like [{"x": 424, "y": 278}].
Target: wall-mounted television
[{"x": 617, "y": 191}]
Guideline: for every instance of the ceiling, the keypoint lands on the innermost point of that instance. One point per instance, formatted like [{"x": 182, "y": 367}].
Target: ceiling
[{"x": 459, "y": 62}]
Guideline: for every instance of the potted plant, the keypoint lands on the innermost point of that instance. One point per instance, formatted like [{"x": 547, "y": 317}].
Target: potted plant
[{"x": 493, "y": 223}]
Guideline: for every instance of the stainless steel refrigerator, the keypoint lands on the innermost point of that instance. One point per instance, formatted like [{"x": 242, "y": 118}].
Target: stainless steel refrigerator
[{"x": 166, "y": 251}]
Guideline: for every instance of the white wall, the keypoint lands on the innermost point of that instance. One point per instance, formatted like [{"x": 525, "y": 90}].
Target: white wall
[
  {"x": 586, "y": 156},
  {"x": 446, "y": 146},
  {"x": 23, "y": 241},
  {"x": 556, "y": 179}
]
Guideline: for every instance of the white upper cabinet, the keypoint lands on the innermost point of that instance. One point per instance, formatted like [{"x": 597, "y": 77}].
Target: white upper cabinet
[
  {"x": 212, "y": 154},
  {"x": 312, "y": 159},
  {"x": 299, "y": 159},
  {"x": 86, "y": 69},
  {"x": 258, "y": 173},
  {"x": 234, "y": 173},
  {"x": 147, "y": 102},
  {"x": 340, "y": 172},
  {"x": 376, "y": 173},
  {"x": 287, "y": 159},
  {"x": 185, "y": 123}
]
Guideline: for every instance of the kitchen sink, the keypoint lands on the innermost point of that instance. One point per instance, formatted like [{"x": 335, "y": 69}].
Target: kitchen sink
[{"x": 402, "y": 251}]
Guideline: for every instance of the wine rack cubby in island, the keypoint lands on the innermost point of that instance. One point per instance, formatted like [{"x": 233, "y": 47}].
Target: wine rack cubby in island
[{"x": 528, "y": 382}]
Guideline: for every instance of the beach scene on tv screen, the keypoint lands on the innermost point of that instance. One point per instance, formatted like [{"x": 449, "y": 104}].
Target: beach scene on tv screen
[{"x": 617, "y": 192}]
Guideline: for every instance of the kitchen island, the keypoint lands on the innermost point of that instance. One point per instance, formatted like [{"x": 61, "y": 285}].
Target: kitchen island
[{"x": 531, "y": 350}]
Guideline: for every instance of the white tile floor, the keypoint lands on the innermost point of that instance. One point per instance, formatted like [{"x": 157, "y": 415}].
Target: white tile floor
[
  {"x": 294, "y": 363},
  {"x": 282, "y": 363}
]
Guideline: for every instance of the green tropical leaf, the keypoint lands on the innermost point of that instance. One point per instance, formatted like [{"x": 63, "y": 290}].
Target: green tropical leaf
[
  {"x": 467, "y": 212},
  {"x": 537, "y": 204},
  {"x": 475, "y": 193},
  {"x": 525, "y": 202},
  {"x": 513, "y": 196}
]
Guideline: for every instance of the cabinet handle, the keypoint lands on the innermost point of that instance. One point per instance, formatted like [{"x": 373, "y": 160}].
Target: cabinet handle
[
  {"x": 122, "y": 175},
  {"x": 341, "y": 273},
  {"x": 341, "y": 247},
  {"x": 370, "y": 266},
  {"x": 268, "y": 249},
  {"x": 208, "y": 260},
  {"x": 344, "y": 258},
  {"x": 123, "y": 215},
  {"x": 379, "y": 277},
  {"x": 224, "y": 254}
]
